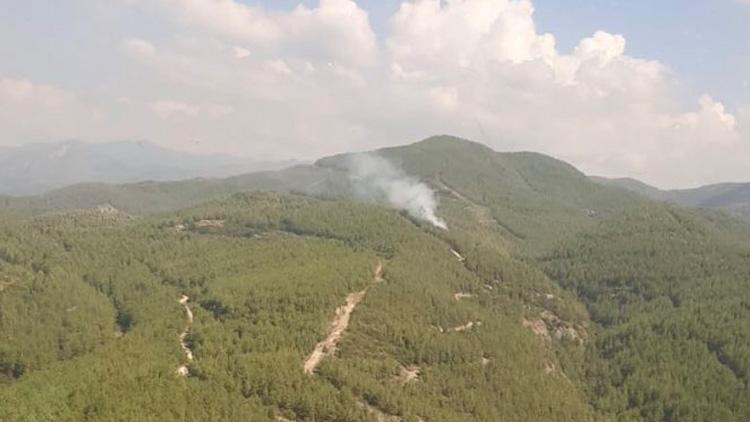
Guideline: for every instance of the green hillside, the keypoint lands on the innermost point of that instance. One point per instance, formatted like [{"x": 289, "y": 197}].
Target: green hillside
[
  {"x": 522, "y": 191},
  {"x": 513, "y": 190},
  {"x": 549, "y": 297},
  {"x": 733, "y": 198},
  {"x": 670, "y": 293},
  {"x": 632, "y": 185},
  {"x": 155, "y": 197},
  {"x": 90, "y": 308}
]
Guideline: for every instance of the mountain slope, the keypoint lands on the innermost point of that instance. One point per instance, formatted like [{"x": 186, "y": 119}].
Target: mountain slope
[
  {"x": 265, "y": 273},
  {"x": 669, "y": 291},
  {"x": 632, "y": 185},
  {"x": 514, "y": 190},
  {"x": 733, "y": 198},
  {"x": 549, "y": 297},
  {"x": 517, "y": 191}
]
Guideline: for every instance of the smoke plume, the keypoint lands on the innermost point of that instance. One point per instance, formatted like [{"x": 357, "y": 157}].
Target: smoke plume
[{"x": 374, "y": 177}]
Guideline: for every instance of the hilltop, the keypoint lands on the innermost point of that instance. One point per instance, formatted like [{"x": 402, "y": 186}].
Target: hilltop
[{"x": 512, "y": 189}]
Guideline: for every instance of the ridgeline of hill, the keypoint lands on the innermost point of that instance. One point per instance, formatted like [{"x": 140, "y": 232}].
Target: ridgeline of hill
[
  {"x": 551, "y": 297},
  {"x": 733, "y": 198}
]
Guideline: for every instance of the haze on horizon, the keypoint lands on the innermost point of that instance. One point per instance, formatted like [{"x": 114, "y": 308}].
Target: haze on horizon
[{"x": 282, "y": 80}]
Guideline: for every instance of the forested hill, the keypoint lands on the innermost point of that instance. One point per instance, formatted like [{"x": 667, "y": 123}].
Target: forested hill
[
  {"x": 549, "y": 297},
  {"x": 734, "y": 198},
  {"x": 513, "y": 189},
  {"x": 668, "y": 289},
  {"x": 441, "y": 160},
  {"x": 513, "y": 192},
  {"x": 91, "y": 319}
]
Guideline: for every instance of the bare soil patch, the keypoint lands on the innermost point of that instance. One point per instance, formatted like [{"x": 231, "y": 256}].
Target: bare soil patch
[
  {"x": 327, "y": 347},
  {"x": 408, "y": 374},
  {"x": 183, "y": 369},
  {"x": 460, "y": 295},
  {"x": 468, "y": 326}
]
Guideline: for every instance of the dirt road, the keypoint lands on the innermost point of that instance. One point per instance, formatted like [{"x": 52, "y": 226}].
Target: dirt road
[
  {"x": 327, "y": 347},
  {"x": 183, "y": 370}
]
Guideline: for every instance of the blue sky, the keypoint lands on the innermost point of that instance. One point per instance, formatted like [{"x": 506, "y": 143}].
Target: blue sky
[
  {"x": 657, "y": 90},
  {"x": 706, "y": 42}
]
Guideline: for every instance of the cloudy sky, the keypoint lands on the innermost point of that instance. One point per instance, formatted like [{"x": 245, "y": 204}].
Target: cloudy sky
[{"x": 654, "y": 90}]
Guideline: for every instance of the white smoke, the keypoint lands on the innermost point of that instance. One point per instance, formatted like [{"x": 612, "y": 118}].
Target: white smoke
[{"x": 374, "y": 177}]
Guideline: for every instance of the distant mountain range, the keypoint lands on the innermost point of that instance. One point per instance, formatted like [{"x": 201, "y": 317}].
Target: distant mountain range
[
  {"x": 733, "y": 198},
  {"x": 141, "y": 177},
  {"x": 38, "y": 168}
]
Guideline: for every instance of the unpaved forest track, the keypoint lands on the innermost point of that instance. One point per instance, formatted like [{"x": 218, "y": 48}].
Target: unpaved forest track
[
  {"x": 183, "y": 370},
  {"x": 468, "y": 326},
  {"x": 461, "y": 295},
  {"x": 327, "y": 347}
]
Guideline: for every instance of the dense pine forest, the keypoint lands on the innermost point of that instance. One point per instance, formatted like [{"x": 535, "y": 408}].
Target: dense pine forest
[{"x": 549, "y": 298}]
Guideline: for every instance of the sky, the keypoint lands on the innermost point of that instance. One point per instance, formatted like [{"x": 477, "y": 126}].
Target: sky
[{"x": 658, "y": 91}]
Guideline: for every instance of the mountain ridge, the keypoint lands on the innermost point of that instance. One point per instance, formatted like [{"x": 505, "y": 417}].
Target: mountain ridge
[
  {"x": 509, "y": 185},
  {"x": 733, "y": 197}
]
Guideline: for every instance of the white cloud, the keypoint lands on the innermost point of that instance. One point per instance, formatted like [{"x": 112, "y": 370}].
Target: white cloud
[
  {"x": 169, "y": 108},
  {"x": 138, "y": 48},
  {"x": 241, "y": 53},
  {"x": 466, "y": 33},
  {"x": 217, "y": 110},
  {"x": 315, "y": 80},
  {"x": 22, "y": 92},
  {"x": 224, "y": 17},
  {"x": 712, "y": 115},
  {"x": 507, "y": 85},
  {"x": 445, "y": 97},
  {"x": 32, "y": 111},
  {"x": 602, "y": 47},
  {"x": 279, "y": 66},
  {"x": 743, "y": 119},
  {"x": 336, "y": 30}
]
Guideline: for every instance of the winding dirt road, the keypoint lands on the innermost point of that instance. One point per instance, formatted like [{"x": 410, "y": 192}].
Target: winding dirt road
[
  {"x": 327, "y": 347},
  {"x": 5, "y": 285},
  {"x": 183, "y": 370}
]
